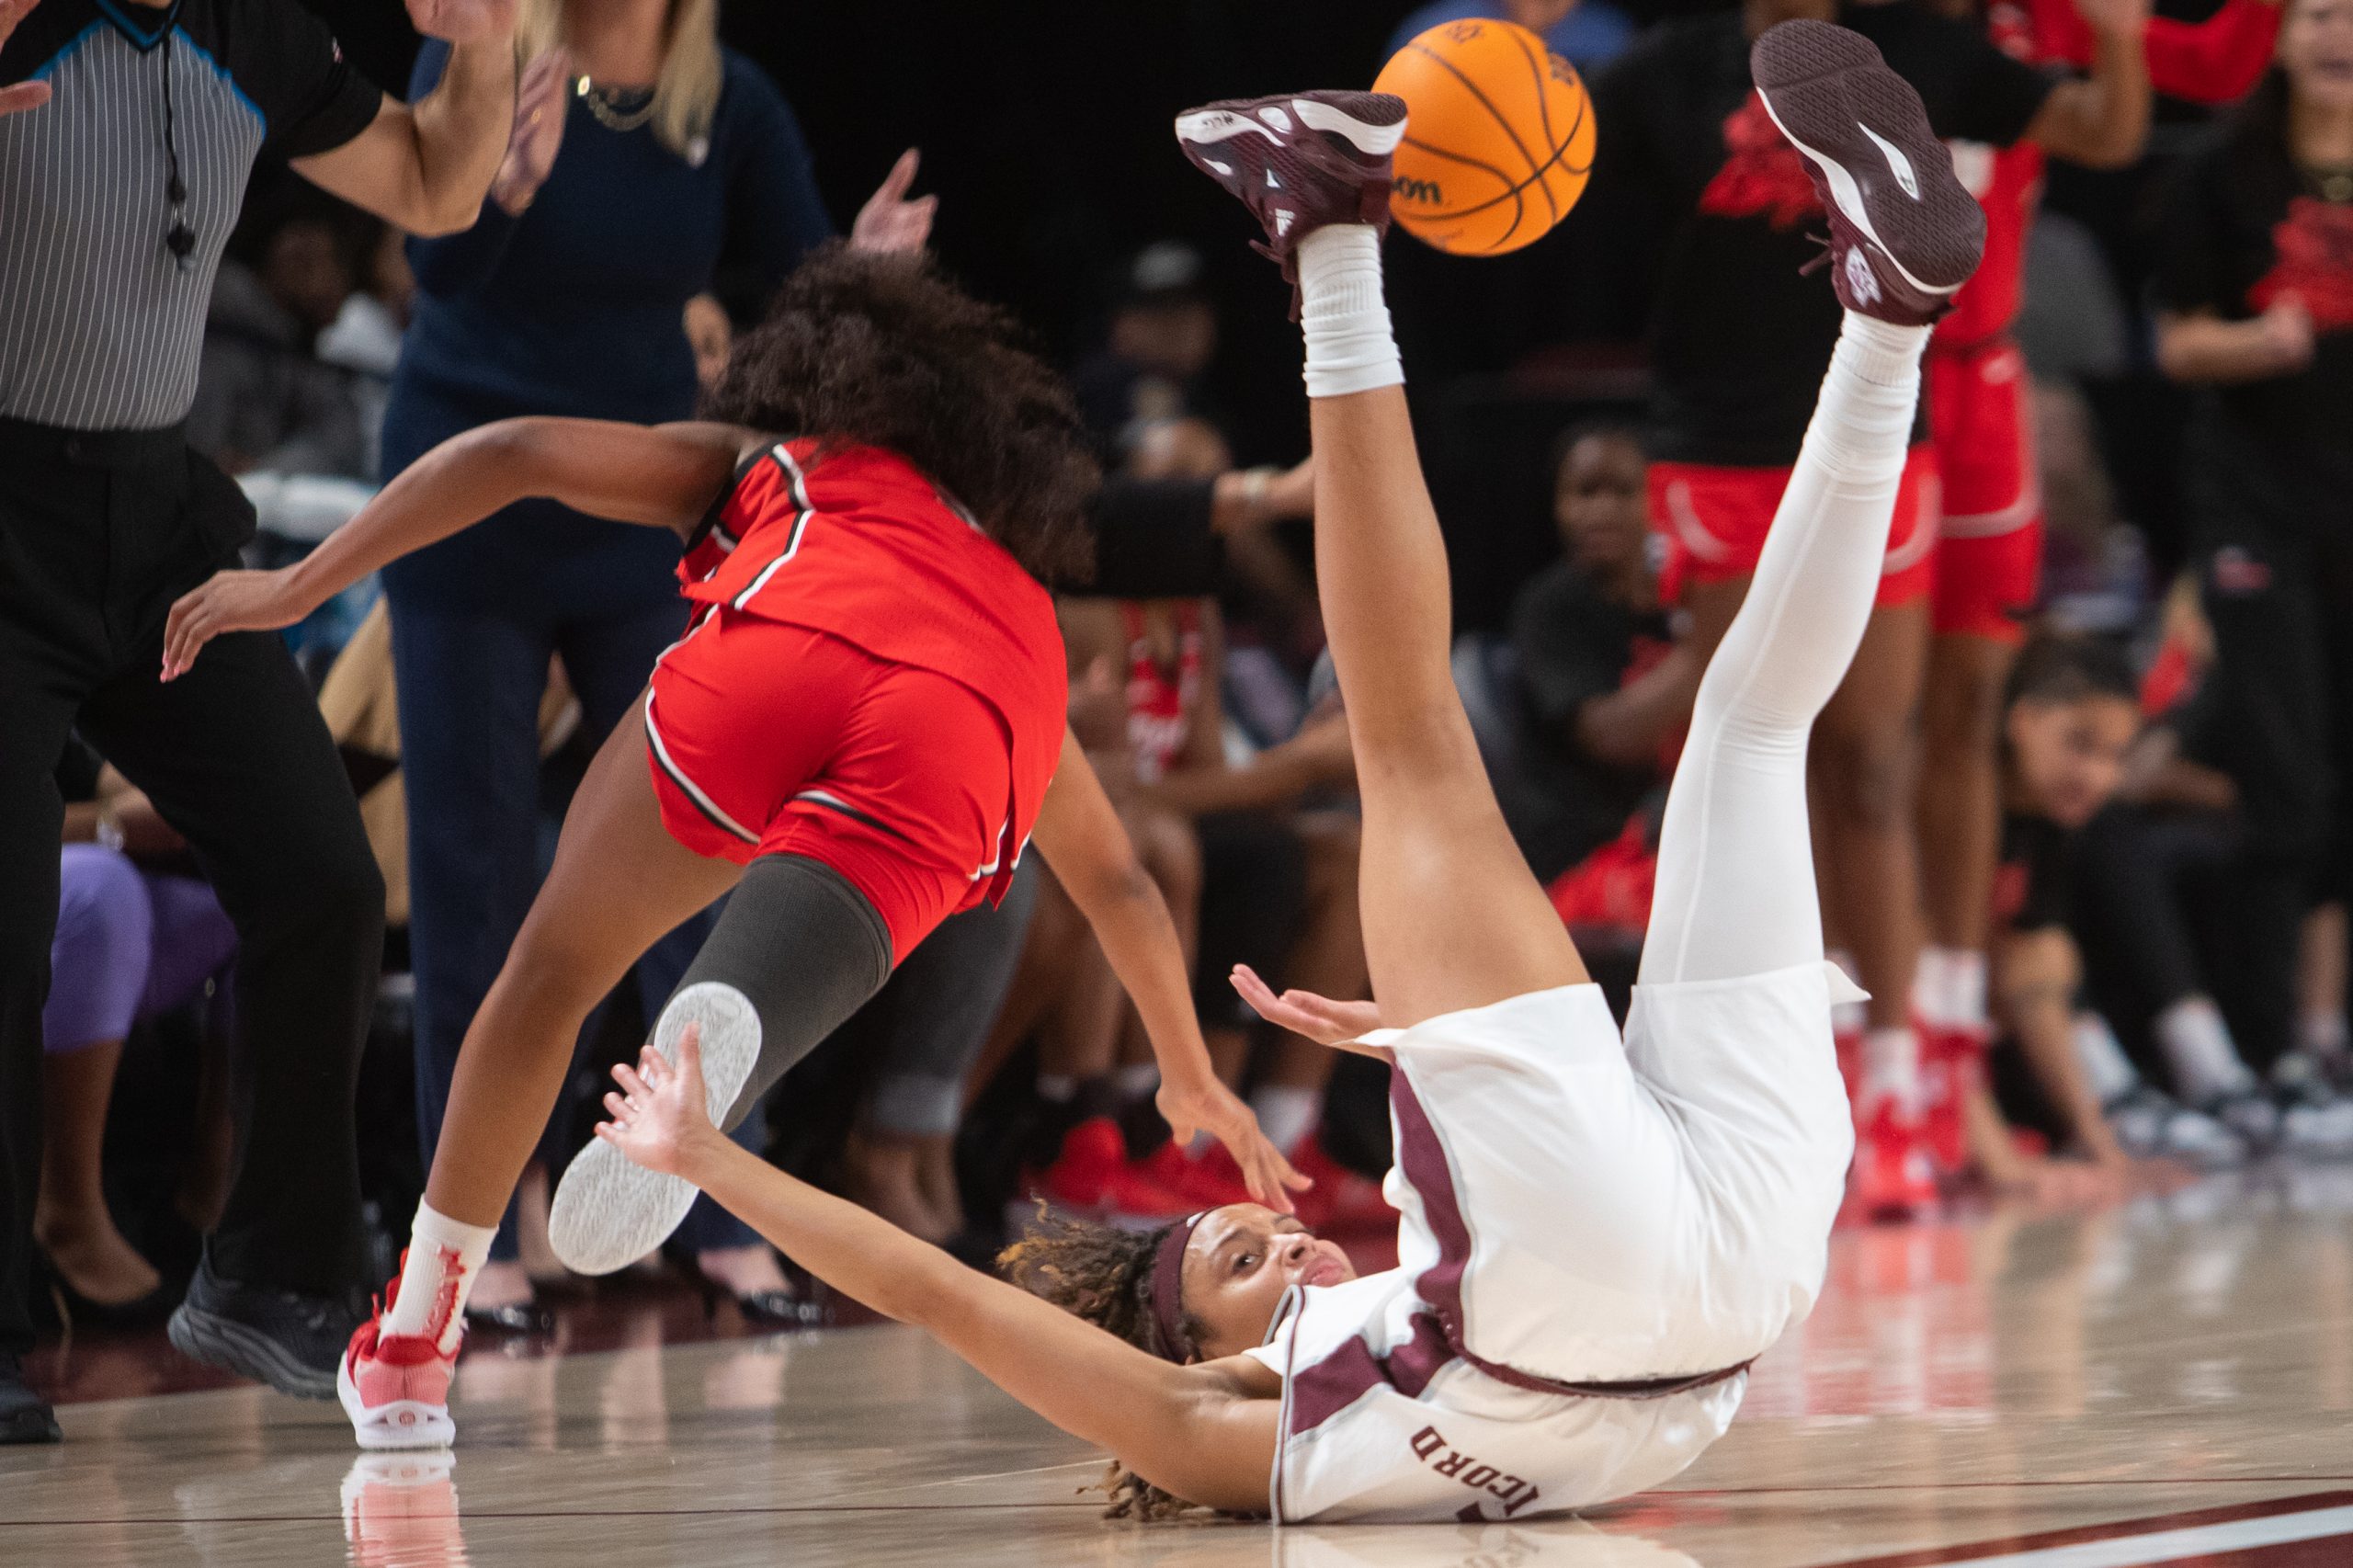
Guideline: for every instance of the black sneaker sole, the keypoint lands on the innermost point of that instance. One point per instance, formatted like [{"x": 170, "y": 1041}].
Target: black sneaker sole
[
  {"x": 1832, "y": 94},
  {"x": 23, "y": 1426},
  {"x": 237, "y": 1348}
]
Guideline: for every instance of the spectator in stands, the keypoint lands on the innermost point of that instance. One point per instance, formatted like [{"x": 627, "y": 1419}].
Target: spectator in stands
[
  {"x": 1273, "y": 886},
  {"x": 264, "y": 400},
  {"x": 2255, "y": 283},
  {"x": 138, "y": 935},
  {"x": 364, "y": 340},
  {"x": 642, "y": 149},
  {"x": 1588, "y": 34},
  {"x": 2173, "y": 955},
  {"x": 2070, "y": 717},
  {"x": 1604, "y": 691},
  {"x": 1160, "y": 340}
]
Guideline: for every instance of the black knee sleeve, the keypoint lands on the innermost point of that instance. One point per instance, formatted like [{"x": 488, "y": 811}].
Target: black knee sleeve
[{"x": 806, "y": 948}]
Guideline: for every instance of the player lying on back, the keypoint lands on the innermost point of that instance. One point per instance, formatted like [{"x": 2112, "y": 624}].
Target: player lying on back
[{"x": 1600, "y": 1235}]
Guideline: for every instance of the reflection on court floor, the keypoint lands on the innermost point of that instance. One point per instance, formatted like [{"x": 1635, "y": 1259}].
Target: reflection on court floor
[{"x": 2170, "y": 1381}]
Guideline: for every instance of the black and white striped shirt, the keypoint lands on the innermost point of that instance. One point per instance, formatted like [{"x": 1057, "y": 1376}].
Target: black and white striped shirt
[{"x": 100, "y": 325}]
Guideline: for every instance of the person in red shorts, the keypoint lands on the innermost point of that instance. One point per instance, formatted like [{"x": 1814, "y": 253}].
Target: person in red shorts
[
  {"x": 856, "y": 735},
  {"x": 1692, "y": 164},
  {"x": 1989, "y": 552}
]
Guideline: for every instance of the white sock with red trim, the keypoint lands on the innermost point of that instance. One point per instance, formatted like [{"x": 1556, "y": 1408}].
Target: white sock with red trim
[
  {"x": 1948, "y": 989},
  {"x": 444, "y": 1257},
  {"x": 1892, "y": 1069},
  {"x": 1343, "y": 314}
]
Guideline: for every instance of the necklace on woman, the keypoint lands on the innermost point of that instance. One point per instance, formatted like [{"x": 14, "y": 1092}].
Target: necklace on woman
[{"x": 616, "y": 108}]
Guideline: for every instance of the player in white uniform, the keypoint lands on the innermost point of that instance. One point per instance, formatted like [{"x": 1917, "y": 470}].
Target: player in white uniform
[{"x": 1598, "y": 1235}]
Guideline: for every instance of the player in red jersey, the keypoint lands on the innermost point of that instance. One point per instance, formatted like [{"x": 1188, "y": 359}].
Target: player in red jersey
[
  {"x": 1737, "y": 342},
  {"x": 1989, "y": 551},
  {"x": 857, "y": 733}
]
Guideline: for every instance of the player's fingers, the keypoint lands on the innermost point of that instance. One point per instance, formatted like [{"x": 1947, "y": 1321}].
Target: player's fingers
[
  {"x": 1253, "y": 990},
  {"x": 903, "y": 174},
  {"x": 626, "y": 1076},
  {"x": 617, "y": 1108},
  {"x": 690, "y": 1051},
  {"x": 23, "y": 95}
]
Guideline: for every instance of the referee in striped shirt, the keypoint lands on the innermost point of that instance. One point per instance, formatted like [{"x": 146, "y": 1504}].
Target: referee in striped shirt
[{"x": 127, "y": 131}]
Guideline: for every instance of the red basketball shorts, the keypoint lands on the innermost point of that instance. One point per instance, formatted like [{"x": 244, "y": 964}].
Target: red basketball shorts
[
  {"x": 771, "y": 739},
  {"x": 1989, "y": 551},
  {"x": 1713, "y": 521}
]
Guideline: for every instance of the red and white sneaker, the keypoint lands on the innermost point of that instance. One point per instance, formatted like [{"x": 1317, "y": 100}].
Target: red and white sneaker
[
  {"x": 1299, "y": 161},
  {"x": 1892, "y": 1178},
  {"x": 1952, "y": 1061},
  {"x": 395, "y": 1387},
  {"x": 1904, "y": 233}
]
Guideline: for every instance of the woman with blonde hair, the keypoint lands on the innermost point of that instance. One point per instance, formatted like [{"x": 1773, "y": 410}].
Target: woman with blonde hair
[{"x": 642, "y": 151}]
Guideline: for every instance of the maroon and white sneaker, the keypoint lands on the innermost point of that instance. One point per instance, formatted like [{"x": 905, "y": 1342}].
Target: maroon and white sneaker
[
  {"x": 1299, "y": 161},
  {"x": 1904, "y": 233}
]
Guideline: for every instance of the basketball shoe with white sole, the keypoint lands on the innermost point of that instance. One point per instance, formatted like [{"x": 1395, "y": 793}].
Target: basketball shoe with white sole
[
  {"x": 1904, "y": 233},
  {"x": 395, "y": 1387},
  {"x": 610, "y": 1212},
  {"x": 1299, "y": 161}
]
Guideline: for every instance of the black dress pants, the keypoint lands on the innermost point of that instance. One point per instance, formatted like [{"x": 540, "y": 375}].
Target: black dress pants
[{"x": 98, "y": 534}]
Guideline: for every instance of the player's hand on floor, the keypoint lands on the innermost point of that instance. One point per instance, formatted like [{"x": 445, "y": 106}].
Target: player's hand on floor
[
  {"x": 659, "y": 1110},
  {"x": 230, "y": 601},
  {"x": 1213, "y": 1108},
  {"x": 1319, "y": 1019}
]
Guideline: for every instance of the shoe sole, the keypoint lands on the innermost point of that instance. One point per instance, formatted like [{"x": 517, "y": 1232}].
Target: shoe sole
[
  {"x": 1373, "y": 137},
  {"x": 1834, "y": 96},
  {"x": 400, "y": 1423},
  {"x": 234, "y": 1348},
  {"x": 610, "y": 1212}
]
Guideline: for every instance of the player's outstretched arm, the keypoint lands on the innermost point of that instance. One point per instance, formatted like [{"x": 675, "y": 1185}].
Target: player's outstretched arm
[
  {"x": 663, "y": 476},
  {"x": 1084, "y": 841},
  {"x": 1205, "y": 1432}
]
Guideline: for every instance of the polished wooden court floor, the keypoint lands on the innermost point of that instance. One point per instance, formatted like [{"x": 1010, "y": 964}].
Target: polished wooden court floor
[{"x": 2166, "y": 1381}]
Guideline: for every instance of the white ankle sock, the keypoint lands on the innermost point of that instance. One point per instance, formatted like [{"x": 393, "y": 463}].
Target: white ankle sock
[
  {"x": 1948, "y": 988},
  {"x": 1891, "y": 1068},
  {"x": 1285, "y": 1113},
  {"x": 1343, "y": 314},
  {"x": 2106, "y": 1067},
  {"x": 444, "y": 1257},
  {"x": 1881, "y": 352},
  {"x": 2198, "y": 1046}
]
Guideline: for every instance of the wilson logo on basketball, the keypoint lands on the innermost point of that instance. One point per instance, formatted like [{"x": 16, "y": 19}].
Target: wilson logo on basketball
[{"x": 1406, "y": 189}]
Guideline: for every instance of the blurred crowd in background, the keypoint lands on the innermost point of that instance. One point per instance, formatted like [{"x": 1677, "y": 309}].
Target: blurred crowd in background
[{"x": 2162, "y": 958}]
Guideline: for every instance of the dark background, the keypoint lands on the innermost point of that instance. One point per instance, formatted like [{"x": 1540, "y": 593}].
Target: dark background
[{"x": 1044, "y": 126}]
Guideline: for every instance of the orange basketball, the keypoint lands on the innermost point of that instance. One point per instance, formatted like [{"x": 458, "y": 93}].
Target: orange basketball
[{"x": 1498, "y": 138}]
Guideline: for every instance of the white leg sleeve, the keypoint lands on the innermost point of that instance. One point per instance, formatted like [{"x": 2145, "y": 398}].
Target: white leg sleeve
[{"x": 1735, "y": 893}]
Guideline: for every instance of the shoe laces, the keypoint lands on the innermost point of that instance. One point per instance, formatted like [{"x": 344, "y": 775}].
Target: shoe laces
[{"x": 1820, "y": 261}]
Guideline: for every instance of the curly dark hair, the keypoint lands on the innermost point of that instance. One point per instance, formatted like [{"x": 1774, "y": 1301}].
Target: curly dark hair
[
  {"x": 883, "y": 351},
  {"x": 1104, "y": 1275}
]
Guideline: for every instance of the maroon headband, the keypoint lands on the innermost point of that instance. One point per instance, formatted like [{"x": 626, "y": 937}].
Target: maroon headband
[{"x": 1167, "y": 1286}]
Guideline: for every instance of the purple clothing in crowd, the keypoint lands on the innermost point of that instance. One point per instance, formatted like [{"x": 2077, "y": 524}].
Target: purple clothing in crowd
[{"x": 129, "y": 945}]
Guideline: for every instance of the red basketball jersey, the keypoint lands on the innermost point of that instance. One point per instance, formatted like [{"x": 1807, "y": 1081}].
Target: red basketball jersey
[{"x": 854, "y": 542}]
